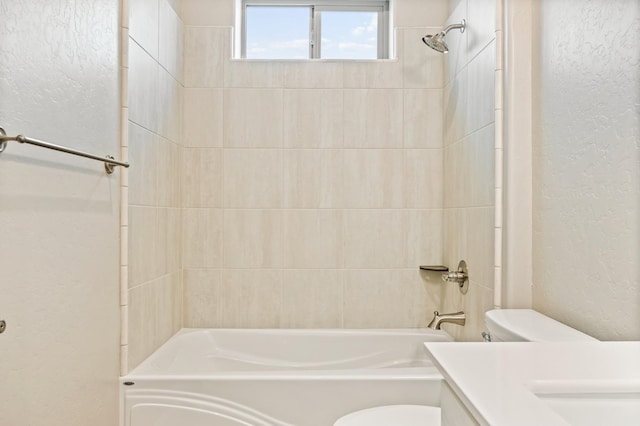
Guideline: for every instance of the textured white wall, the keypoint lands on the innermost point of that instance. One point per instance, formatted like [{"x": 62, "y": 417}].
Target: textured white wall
[
  {"x": 587, "y": 168},
  {"x": 59, "y": 214}
]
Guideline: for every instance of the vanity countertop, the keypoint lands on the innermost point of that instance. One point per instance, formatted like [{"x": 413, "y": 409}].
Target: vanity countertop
[{"x": 551, "y": 384}]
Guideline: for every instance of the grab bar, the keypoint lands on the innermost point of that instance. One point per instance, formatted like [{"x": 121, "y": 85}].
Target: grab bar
[{"x": 109, "y": 162}]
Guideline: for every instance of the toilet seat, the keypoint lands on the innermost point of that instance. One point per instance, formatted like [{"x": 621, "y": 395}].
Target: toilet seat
[{"x": 393, "y": 415}]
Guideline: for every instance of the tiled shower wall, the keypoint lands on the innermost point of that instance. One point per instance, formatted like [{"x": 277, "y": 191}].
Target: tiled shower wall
[
  {"x": 152, "y": 136},
  {"x": 470, "y": 162},
  {"x": 311, "y": 191}
]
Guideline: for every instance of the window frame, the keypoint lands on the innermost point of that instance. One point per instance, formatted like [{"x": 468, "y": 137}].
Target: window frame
[{"x": 316, "y": 7}]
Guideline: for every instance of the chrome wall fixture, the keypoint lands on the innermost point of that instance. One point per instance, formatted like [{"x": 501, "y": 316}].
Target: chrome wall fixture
[
  {"x": 461, "y": 276},
  {"x": 454, "y": 318},
  {"x": 109, "y": 162},
  {"x": 436, "y": 42},
  {"x": 3, "y": 326}
]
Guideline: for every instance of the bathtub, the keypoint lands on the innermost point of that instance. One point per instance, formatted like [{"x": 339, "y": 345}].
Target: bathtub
[{"x": 215, "y": 377}]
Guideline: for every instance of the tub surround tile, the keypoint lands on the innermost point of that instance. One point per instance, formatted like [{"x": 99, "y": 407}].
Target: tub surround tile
[
  {"x": 374, "y": 239},
  {"x": 310, "y": 75},
  {"x": 202, "y": 238},
  {"x": 312, "y": 298},
  {"x": 171, "y": 39},
  {"x": 202, "y": 177},
  {"x": 423, "y": 169},
  {"x": 253, "y": 238},
  {"x": 253, "y": 178},
  {"x": 251, "y": 298},
  {"x": 253, "y": 118},
  {"x": 143, "y": 24},
  {"x": 245, "y": 74},
  {"x": 313, "y": 239},
  {"x": 313, "y": 118},
  {"x": 204, "y": 49},
  {"x": 202, "y": 307},
  {"x": 422, "y": 67},
  {"x": 384, "y": 299},
  {"x": 313, "y": 178},
  {"x": 373, "y": 178},
  {"x": 203, "y": 112},
  {"x": 373, "y": 120},
  {"x": 423, "y": 118}
]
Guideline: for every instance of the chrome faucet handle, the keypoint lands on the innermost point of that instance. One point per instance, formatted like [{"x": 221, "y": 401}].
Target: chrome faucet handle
[{"x": 460, "y": 276}]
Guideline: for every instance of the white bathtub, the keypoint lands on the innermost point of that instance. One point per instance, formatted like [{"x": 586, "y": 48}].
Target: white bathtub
[{"x": 212, "y": 377}]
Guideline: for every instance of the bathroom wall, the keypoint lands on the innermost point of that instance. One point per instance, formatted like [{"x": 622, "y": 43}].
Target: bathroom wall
[
  {"x": 59, "y": 214},
  {"x": 469, "y": 161},
  {"x": 151, "y": 261},
  {"x": 586, "y": 166},
  {"x": 312, "y": 191}
]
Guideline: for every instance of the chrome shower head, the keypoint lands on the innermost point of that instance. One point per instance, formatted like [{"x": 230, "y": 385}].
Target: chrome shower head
[{"x": 436, "y": 42}]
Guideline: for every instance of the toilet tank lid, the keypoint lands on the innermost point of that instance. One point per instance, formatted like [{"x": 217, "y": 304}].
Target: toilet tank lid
[{"x": 531, "y": 326}]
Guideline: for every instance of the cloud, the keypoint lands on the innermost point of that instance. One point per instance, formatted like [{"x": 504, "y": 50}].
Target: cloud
[
  {"x": 290, "y": 44},
  {"x": 355, "y": 46},
  {"x": 372, "y": 27}
]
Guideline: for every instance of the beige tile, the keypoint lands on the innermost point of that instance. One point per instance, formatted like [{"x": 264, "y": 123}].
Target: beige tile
[
  {"x": 245, "y": 74},
  {"x": 142, "y": 244},
  {"x": 202, "y": 238},
  {"x": 143, "y": 83},
  {"x": 253, "y": 178},
  {"x": 171, "y": 40},
  {"x": 457, "y": 175},
  {"x": 177, "y": 301},
  {"x": 423, "y": 118},
  {"x": 143, "y": 24},
  {"x": 383, "y": 298},
  {"x": 253, "y": 238},
  {"x": 313, "y": 118},
  {"x": 481, "y": 89},
  {"x": 202, "y": 175},
  {"x": 251, "y": 298},
  {"x": 169, "y": 237},
  {"x": 313, "y": 178},
  {"x": 481, "y": 23},
  {"x": 313, "y": 75},
  {"x": 455, "y": 109},
  {"x": 423, "y": 179},
  {"x": 480, "y": 246},
  {"x": 379, "y": 74},
  {"x": 204, "y": 49},
  {"x": 482, "y": 167},
  {"x": 373, "y": 178},
  {"x": 202, "y": 299},
  {"x": 169, "y": 169},
  {"x": 374, "y": 239},
  {"x": 455, "y": 237},
  {"x": 415, "y": 13},
  {"x": 253, "y": 118},
  {"x": 142, "y": 177},
  {"x": 201, "y": 12},
  {"x": 169, "y": 107},
  {"x": 313, "y": 239},
  {"x": 203, "y": 118},
  {"x": 373, "y": 118},
  {"x": 164, "y": 310},
  {"x": 142, "y": 323},
  {"x": 422, "y": 67},
  {"x": 423, "y": 230},
  {"x": 312, "y": 298}
]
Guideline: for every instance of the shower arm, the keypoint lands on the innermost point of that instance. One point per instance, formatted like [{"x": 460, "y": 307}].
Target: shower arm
[{"x": 461, "y": 26}]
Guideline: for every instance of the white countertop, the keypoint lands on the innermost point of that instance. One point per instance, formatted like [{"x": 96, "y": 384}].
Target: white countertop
[{"x": 500, "y": 383}]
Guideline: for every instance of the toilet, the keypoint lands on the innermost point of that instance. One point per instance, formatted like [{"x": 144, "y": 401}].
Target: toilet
[{"x": 503, "y": 325}]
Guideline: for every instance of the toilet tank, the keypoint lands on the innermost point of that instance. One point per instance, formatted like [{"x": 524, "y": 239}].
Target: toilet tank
[{"x": 527, "y": 325}]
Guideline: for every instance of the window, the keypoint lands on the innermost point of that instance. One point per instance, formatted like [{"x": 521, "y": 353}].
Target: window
[{"x": 320, "y": 29}]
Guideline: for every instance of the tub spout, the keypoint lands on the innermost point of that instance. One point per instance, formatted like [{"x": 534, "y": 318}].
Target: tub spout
[{"x": 454, "y": 318}]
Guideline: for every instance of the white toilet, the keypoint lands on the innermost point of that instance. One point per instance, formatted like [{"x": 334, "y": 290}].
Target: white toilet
[{"x": 504, "y": 325}]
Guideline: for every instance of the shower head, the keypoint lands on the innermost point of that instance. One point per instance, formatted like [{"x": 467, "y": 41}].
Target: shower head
[{"x": 436, "y": 42}]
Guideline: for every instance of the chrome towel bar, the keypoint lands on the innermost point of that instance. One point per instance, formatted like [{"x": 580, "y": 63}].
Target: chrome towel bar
[{"x": 109, "y": 162}]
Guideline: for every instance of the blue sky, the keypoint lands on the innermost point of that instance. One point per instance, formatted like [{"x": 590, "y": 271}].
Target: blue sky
[{"x": 282, "y": 32}]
